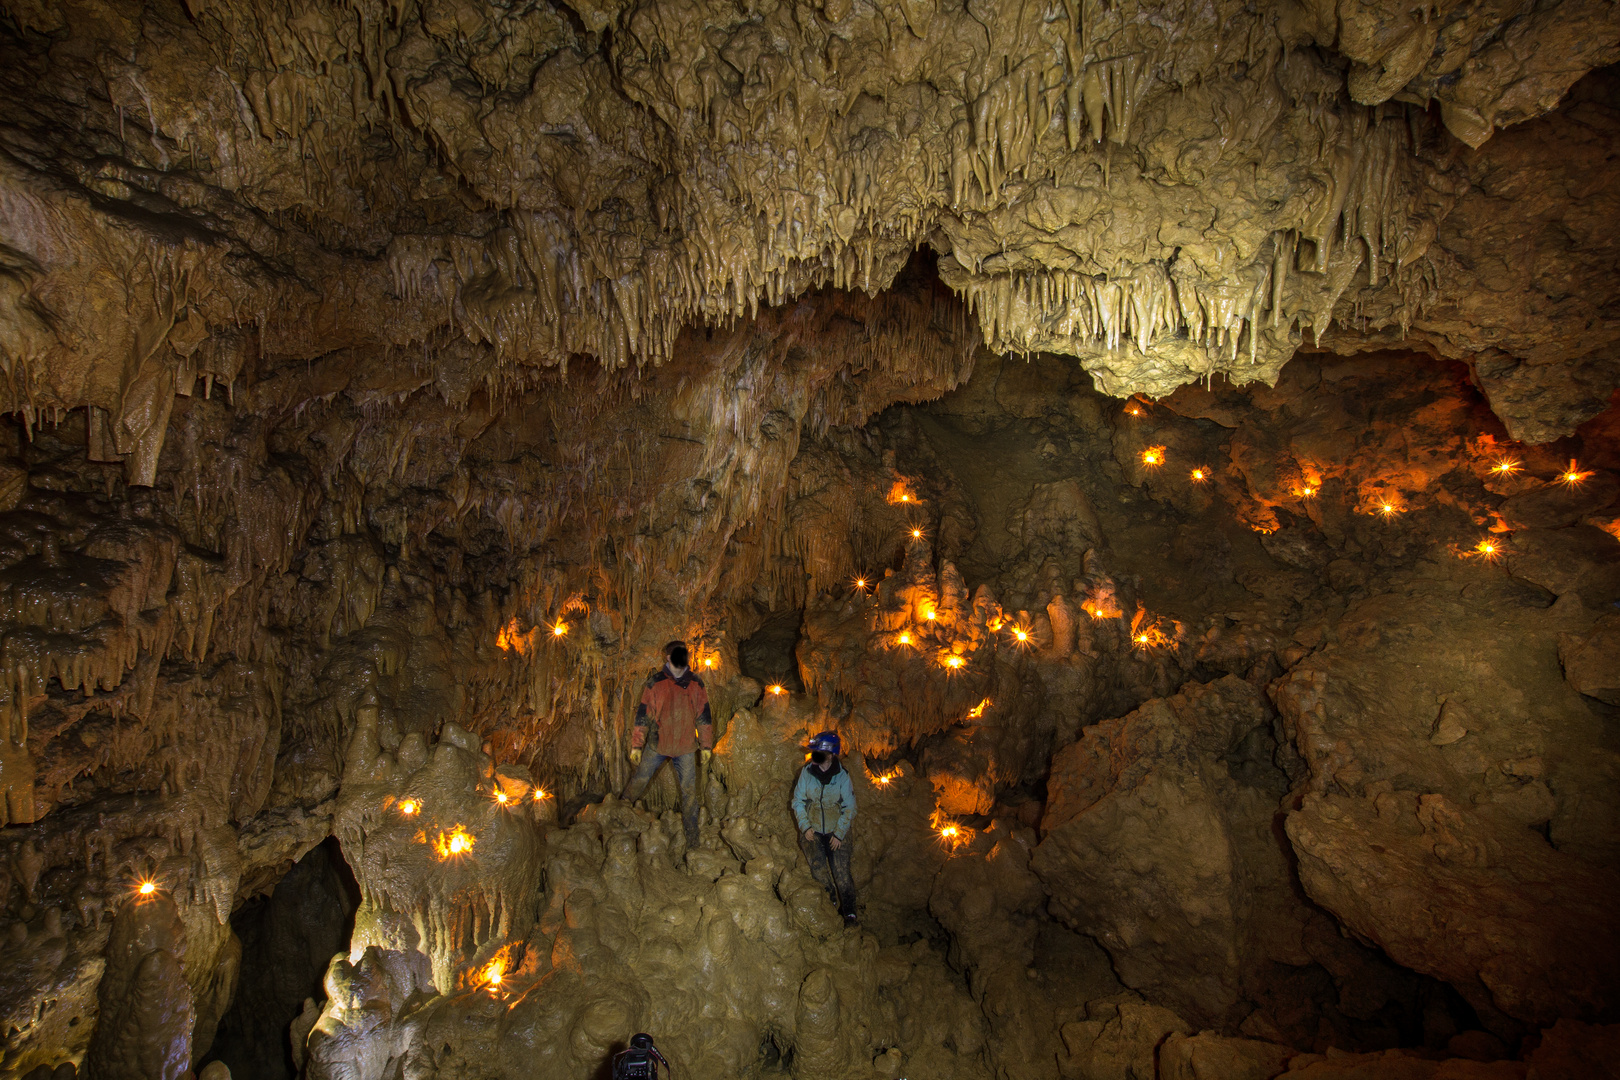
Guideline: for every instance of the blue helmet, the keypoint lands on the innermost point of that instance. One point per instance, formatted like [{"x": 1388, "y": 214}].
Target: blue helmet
[{"x": 825, "y": 743}]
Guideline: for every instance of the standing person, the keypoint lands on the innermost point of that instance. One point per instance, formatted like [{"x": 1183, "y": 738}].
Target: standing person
[
  {"x": 675, "y": 706},
  {"x": 824, "y": 804}
]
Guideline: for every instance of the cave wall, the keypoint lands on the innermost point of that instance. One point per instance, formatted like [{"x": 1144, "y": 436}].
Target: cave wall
[{"x": 385, "y": 384}]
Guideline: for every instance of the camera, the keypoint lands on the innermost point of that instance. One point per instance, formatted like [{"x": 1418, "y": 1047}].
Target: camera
[{"x": 641, "y": 1061}]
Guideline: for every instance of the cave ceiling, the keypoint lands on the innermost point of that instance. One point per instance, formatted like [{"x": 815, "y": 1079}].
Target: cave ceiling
[{"x": 1164, "y": 191}]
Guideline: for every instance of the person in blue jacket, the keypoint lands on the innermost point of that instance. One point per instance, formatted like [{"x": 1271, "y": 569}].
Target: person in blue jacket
[{"x": 824, "y": 804}]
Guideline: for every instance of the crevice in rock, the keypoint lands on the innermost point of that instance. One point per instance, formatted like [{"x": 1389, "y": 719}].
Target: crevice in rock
[{"x": 288, "y": 938}]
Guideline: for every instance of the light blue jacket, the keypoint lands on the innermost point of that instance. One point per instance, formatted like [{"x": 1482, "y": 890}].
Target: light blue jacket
[{"x": 826, "y": 808}]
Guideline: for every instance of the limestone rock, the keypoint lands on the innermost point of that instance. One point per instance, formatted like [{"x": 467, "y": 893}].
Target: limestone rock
[
  {"x": 1145, "y": 806},
  {"x": 1119, "y": 1040},
  {"x": 1206, "y": 1056},
  {"x": 1521, "y": 929},
  {"x": 1592, "y": 662},
  {"x": 145, "y": 1025}
]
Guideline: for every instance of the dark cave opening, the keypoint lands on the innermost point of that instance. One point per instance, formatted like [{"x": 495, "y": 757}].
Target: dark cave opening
[
  {"x": 288, "y": 939},
  {"x": 770, "y": 654}
]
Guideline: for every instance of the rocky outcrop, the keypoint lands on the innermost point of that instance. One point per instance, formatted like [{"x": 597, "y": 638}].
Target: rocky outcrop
[
  {"x": 1522, "y": 929},
  {"x": 1147, "y": 806},
  {"x": 1445, "y": 819}
]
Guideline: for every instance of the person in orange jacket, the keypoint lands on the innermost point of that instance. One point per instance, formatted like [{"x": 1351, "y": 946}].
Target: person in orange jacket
[{"x": 674, "y": 714}]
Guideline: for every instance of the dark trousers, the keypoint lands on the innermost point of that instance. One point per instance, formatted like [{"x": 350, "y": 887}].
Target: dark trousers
[
  {"x": 686, "y": 772},
  {"x": 831, "y": 869}
]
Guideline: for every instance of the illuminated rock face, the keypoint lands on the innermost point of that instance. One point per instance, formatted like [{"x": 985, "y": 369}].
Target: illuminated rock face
[{"x": 447, "y": 850}]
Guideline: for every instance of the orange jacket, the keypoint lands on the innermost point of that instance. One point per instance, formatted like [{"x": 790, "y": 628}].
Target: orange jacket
[{"x": 679, "y": 709}]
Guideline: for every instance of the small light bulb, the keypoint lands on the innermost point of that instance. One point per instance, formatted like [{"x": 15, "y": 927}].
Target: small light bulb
[
  {"x": 500, "y": 796},
  {"x": 905, "y": 638},
  {"x": 776, "y": 688},
  {"x": 148, "y": 888},
  {"x": 953, "y": 662},
  {"x": 539, "y": 794},
  {"x": 708, "y": 661},
  {"x": 495, "y": 977},
  {"x": 916, "y": 534},
  {"x": 905, "y": 498},
  {"x": 409, "y": 806},
  {"x": 1198, "y": 476},
  {"x": 559, "y": 630}
]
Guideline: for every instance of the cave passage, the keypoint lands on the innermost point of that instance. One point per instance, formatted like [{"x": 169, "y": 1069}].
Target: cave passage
[
  {"x": 1173, "y": 450},
  {"x": 288, "y": 939}
]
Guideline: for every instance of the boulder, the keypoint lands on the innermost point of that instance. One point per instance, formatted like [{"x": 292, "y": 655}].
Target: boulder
[
  {"x": 1147, "y": 806},
  {"x": 1118, "y": 1040},
  {"x": 1592, "y": 661},
  {"x": 1518, "y": 927},
  {"x": 1208, "y": 1056},
  {"x": 1436, "y": 730}
]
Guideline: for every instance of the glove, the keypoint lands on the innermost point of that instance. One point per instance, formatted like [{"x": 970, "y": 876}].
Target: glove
[
  {"x": 704, "y": 756},
  {"x": 635, "y": 755}
]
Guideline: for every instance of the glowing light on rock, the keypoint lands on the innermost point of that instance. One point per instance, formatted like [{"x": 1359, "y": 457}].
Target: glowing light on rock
[
  {"x": 1133, "y": 409},
  {"x": 930, "y": 615},
  {"x": 1021, "y": 634},
  {"x": 559, "y": 629},
  {"x": 453, "y": 844},
  {"x": 860, "y": 585},
  {"x": 511, "y": 639},
  {"x": 540, "y": 795},
  {"x": 501, "y": 797},
  {"x": 776, "y": 689},
  {"x": 409, "y": 807},
  {"x": 916, "y": 534},
  {"x": 1488, "y": 549},
  {"x": 904, "y": 638},
  {"x": 1101, "y": 605},
  {"x": 1199, "y": 476},
  {"x": 953, "y": 834},
  {"x": 1146, "y": 632},
  {"x": 1573, "y": 475},
  {"x": 495, "y": 975},
  {"x": 1388, "y": 509},
  {"x": 954, "y": 662},
  {"x": 1505, "y": 467},
  {"x": 978, "y": 710},
  {"x": 1153, "y": 457},
  {"x": 708, "y": 661},
  {"x": 146, "y": 888}
]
